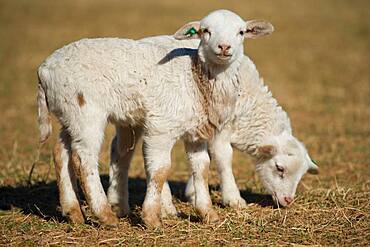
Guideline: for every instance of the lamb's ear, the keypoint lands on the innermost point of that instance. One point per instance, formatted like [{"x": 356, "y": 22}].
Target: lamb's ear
[
  {"x": 188, "y": 31},
  {"x": 258, "y": 28},
  {"x": 312, "y": 167},
  {"x": 266, "y": 152}
]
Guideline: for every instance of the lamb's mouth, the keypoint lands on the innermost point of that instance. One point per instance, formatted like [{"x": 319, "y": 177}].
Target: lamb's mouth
[
  {"x": 277, "y": 201},
  {"x": 223, "y": 56}
]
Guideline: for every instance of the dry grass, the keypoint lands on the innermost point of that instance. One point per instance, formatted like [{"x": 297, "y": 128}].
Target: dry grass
[{"x": 316, "y": 63}]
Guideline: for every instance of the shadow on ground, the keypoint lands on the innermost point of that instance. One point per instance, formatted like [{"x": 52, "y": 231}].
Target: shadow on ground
[{"x": 41, "y": 199}]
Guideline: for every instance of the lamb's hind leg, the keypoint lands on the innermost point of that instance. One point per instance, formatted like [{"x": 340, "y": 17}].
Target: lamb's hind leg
[
  {"x": 86, "y": 141},
  {"x": 66, "y": 179},
  {"x": 122, "y": 150}
]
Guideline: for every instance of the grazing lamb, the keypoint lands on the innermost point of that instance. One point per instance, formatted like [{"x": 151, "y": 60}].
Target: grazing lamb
[
  {"x": 260, "y": 128},
  {"x": 188, "y": 93}
]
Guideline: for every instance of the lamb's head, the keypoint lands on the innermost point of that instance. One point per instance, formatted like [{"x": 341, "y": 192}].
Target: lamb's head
[
  {"x": 281, "y": 163},
  {"x": 222, "y": 33}
]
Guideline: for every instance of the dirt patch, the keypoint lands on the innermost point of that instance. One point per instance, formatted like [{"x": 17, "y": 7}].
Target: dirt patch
[{"x": 81, "y": 99}]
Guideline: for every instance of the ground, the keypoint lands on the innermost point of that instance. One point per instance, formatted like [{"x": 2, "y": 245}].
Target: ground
[{"x": 317, "y": 66}]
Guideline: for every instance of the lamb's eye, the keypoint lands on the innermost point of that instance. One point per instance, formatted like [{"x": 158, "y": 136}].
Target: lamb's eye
[
  {"x": 241, "y": 33},
  {"x": 290, "y": 154},
  {"x": 279, "y": 168},
  {"x": 206, "y": 31}
]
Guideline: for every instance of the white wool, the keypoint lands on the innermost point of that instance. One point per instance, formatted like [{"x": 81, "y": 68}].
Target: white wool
[
  {"x": 257, "y": 114},
  {"x": 168, "y": 92},
  {"x": 258, "y": 119}
]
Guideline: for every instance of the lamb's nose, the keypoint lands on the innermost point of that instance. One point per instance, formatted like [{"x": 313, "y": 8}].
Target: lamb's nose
[
  {"x": 224, "y": 47},
  {"x": 288, "y": 199}
]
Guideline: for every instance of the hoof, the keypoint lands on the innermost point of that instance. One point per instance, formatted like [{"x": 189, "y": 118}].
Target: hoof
[
  {"x": 108, "y": 218},
  {"x": 238, "y": 203},
  {"x": 209, "y": 216},
  {"x": 75, "y": 216},
  {"x": 151, "y": 219},
  {"x": 168, "y": 211},
  {"x": 152, "y": 222},
  {"x": 111, "y": 221}
]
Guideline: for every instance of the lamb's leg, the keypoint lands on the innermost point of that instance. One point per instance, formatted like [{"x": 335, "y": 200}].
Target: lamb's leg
[
  {"x": 157, "y": 157},
  {"x": 122, "y": 150},
  {"x": 199, "y": 160},
  {"x": 222, "y": 152},
  {"x": 66, "y": 179},
  {"x": 167, "y": 207},
  {"x": 86, "y": 142},
  {"x": 189, "y": 191}
]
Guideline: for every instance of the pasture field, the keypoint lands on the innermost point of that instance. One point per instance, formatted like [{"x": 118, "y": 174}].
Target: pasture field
[{"x": 317, "y": 65}]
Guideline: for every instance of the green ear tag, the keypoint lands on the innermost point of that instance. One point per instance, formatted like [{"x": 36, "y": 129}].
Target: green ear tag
[{"x": 191, "y": 31}]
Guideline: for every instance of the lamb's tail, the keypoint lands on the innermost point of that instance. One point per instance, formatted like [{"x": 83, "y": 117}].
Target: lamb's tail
[{"x": 44, "y": 118}]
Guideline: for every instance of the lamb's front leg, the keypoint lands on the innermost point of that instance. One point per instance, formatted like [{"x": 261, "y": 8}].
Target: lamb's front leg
[
  {"x": 199, "y": 160},
  {"x": 157, "y": 158},
  {"x": 222, "y": 152}
]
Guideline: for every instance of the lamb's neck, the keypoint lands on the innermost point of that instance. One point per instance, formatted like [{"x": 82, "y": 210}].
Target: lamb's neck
[
  {"x": 224, "y": 81},
  {"x": 258, "y": 118},
  {"x": 251, "y": 128},
  {"x": 218, "y": 89},
  {"x": 222, "y": 72}
]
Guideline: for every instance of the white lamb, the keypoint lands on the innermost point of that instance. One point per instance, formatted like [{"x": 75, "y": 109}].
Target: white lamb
[
  {"x": 260, "y": 128},
  {"x": 188, "y": 93}
]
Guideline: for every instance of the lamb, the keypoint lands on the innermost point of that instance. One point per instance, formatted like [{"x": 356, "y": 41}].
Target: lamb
[
  {"x": 261, "y": 128},
  {"x": 165, "y": 95}
]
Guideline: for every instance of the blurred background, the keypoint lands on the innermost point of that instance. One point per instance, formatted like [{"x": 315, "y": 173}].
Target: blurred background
[{"x": 316, "y": 63}]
